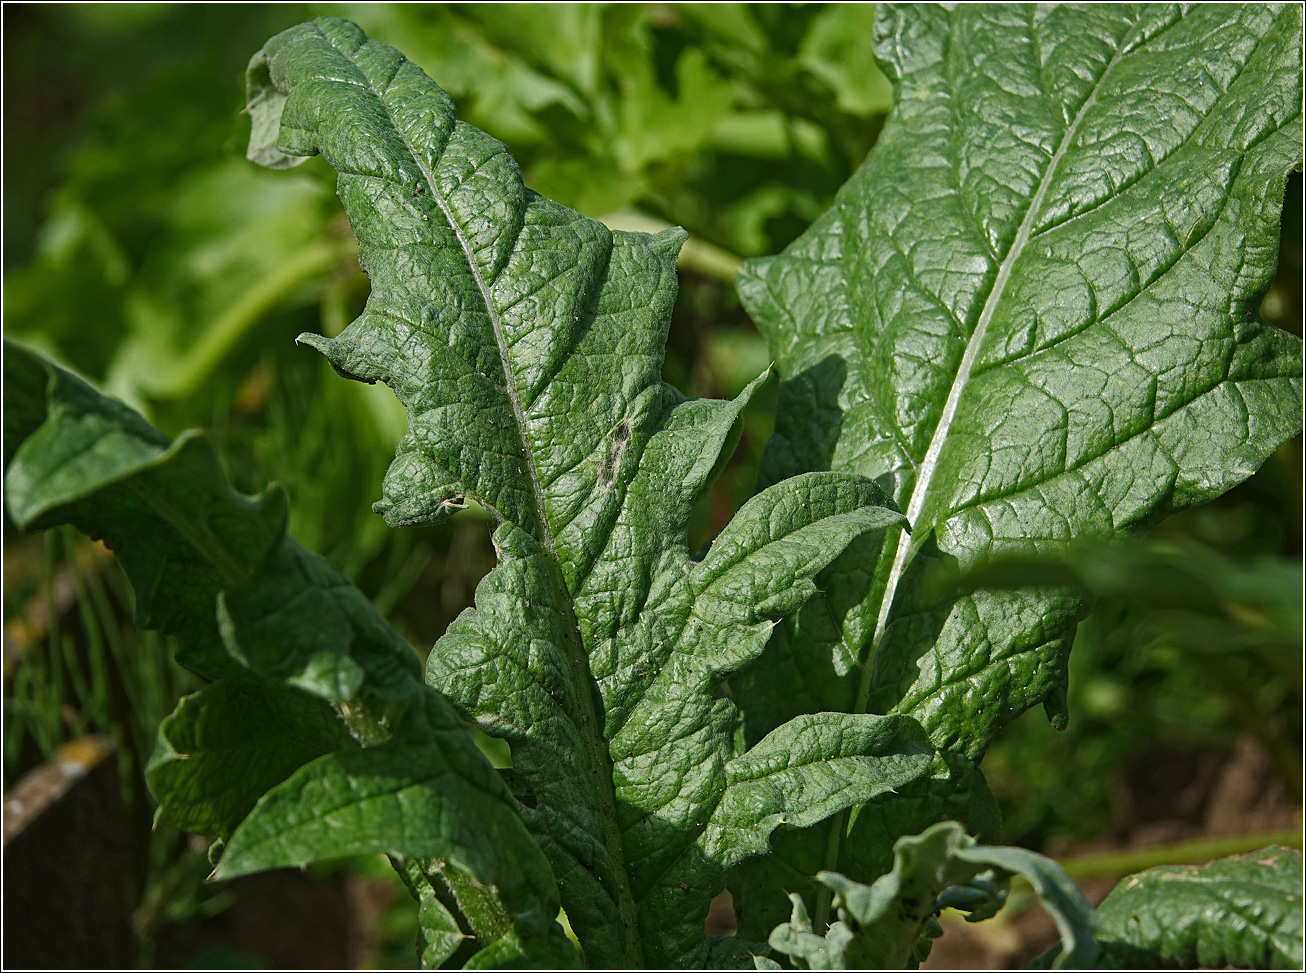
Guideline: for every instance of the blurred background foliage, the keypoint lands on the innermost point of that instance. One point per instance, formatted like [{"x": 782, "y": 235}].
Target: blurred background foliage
[{"x": 143, "y": 251}]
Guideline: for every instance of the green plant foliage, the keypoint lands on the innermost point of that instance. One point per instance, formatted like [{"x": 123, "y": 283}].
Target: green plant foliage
[
  {"x": 594, "y": 124},
  {"x": 1240, "y": 912},
  {"x": 1244, "y": 911},
  {"x": 1030, "y": 317},
  {"x": 296, "y": 655},
  {"x": 1184, "y": 646},
  {"x": 158, "y": 234},
  {"x": 888, "y": 925},
  {"x": 525, "y": 341},
  {"x": 197, "y": 269},
  {"x": 733, "y": 120}
]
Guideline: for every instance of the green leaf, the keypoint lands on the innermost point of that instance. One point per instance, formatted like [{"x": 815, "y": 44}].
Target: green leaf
[
  {"x": 1031, "y": 316},
  {"x": 1038, "y": 364},
  {"x": 1244, "y": 911},
  {"x": 809, "y": 769},
  {"x": 438, "y": 936},
  {"x": 424, "y": 793},
  {"x": 950, "y": 789},
  {"x": 526, "y": 343},
  {"x": 180, "y": 532},
  {"x": 835, "y": 50},
  {"x": 881, "y": 925},
  {"x": 260, "y": 755},
  {"x": 25, "y": 406},
  {"x": 225, "y": 746},
  {"x": 666, "y": 731}
]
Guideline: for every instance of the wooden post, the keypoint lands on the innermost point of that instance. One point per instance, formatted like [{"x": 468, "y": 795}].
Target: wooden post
[{"x": 69, "y": 870}]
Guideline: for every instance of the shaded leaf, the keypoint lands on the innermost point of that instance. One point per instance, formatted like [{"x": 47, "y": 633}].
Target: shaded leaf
[
  {"x": 225, "y": 746},
  {"x": 181, "y": 533},
  {"x": 888, "y": 924},
  {"x": 289, "y": 636}
]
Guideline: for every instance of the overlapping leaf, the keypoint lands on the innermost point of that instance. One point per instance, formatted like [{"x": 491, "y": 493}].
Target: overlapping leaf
[
  {"x": 1030, "y": 316},
  {"x": 888, "y": 925},
  {"x": 526, "y": 343},
  {"x": 951, "y": 789},
  {"x": 261, "y": 757}
]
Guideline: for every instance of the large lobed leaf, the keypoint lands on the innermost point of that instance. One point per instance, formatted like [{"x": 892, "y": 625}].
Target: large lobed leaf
[
  {"x": 526, "y": 343},
  {"x": 1030, "y": 316},
  {"x": 318, "y": 738},
  {"x": 889, "y": 924}
]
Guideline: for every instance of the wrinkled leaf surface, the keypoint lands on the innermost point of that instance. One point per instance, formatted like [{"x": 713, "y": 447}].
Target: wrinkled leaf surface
[
  {"x": 526, "y": 343},
  {"x": 1031, "y": 316}
]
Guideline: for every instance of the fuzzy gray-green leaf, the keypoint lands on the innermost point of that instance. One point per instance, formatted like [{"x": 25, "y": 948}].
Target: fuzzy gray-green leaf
[{"x": 882, "y": 925}]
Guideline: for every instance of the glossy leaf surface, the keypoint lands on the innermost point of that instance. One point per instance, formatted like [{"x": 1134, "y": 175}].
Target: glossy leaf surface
[{"x": 1031, "y": 316}]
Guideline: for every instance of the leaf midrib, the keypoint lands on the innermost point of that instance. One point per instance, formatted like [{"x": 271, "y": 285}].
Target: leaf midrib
[
  {"x": 909, "y": 542},
  {"x": 909, "y": 538},
  {"x": 596, "y": 744}
]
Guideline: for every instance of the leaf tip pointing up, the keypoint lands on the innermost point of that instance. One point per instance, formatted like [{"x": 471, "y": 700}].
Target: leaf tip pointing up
[{"x": 667, "y": 243}]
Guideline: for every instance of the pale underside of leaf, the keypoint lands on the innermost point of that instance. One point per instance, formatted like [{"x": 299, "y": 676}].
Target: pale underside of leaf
[
  {"x": 882, "y": 925},
  {"x": 310, "y": 677}
]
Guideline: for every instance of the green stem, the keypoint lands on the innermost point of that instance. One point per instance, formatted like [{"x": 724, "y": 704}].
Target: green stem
[
  {"x": 1192, "y": 852},
  {"x": 222, "y": 335}
]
